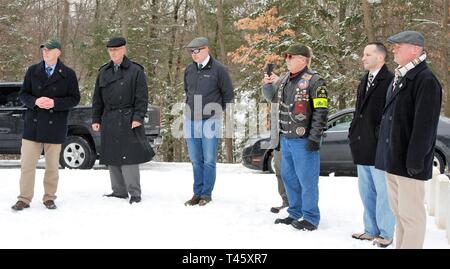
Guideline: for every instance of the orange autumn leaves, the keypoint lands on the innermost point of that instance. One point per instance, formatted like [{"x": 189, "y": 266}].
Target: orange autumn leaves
[{"x": 264, "y": 34}]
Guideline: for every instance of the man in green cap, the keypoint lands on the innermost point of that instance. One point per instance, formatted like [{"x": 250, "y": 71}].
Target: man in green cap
[
  {"x": 49, "y": 91},
  {"x": 302, "y": 102}
]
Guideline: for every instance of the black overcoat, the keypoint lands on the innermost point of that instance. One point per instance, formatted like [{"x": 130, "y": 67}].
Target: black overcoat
[
  {"x": 409, "y": 124},
  {"x": 120, "y": 98},
  {"x": 363, "y": 133}
]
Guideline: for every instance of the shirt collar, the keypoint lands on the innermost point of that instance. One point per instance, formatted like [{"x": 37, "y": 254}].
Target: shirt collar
[
  {"x": 205, "y": 62},
  {"x": 52, "y": 66},
  {"x": 375, "y": 73}
]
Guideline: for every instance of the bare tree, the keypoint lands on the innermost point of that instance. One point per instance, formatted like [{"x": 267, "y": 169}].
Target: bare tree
[
  {"x": 200, "y": 15},
  {"x": 368, "y": 25}
]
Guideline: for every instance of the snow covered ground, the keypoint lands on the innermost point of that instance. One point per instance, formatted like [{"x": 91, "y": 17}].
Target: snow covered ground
[{"x": 238, "y": 217}]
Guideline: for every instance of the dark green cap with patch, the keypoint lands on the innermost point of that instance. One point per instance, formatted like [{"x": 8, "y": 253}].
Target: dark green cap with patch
[
  {"x": 298, "y": 49},
  {"x": 52, "y": 43}
]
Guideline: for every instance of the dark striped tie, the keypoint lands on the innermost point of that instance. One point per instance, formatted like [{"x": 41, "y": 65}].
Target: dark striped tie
[{"x": 369, "y": 81}]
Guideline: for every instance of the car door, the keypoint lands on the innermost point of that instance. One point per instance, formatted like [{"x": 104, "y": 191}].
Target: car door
[
  {"x": 11, "y": 120},
  {"x": 335, "y": 154}
]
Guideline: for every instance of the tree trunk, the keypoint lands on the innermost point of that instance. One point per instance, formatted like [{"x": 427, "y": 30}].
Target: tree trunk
[
  {"x": 228, "y": 121},
  {"x": 444, "y": 51},
  {"x": 124, "y": 13},
  {"x": 200, "y": 28},
  {"x": 368, "y": 25},
  {"x": 65, "y": 25}
]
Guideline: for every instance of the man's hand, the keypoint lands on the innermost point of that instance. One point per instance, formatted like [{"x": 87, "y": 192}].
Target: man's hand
[
  {"x": 45, "y": 102},
  {"x": 312, "y": 146},
  {"x": 96, "y": 127},
  {"x": 135, "y": 124},
  {"x": 413, "y": 171},
  {"x": 270, "y": 79}
]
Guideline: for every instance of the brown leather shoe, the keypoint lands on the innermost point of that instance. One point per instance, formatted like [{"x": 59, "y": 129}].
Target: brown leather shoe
[
  {"x": 381, "y": 242},
  {"x": 204, "y": 201},
  {"x": 20, "y": 205},
  {"x": 362, "y": 236},
  {"x": 49, "y": 204},
  {"x": 193, "y": 201}
]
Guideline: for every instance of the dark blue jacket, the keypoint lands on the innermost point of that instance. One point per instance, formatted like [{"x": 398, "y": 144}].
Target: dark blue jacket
[
  {"x": 212, "y": 83},
  {"x": 48, "y": 125},
  {"x": 364, "y": 129},
  {"x": 409, "y": 125}
]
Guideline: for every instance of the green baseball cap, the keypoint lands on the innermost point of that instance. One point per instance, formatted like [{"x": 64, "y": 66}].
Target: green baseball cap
[
  {"x": 52, "y": 43},
  {"x": 298, "y": 49}
]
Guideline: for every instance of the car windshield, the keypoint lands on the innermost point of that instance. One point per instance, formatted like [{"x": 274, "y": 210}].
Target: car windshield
[{"x": 342, "y": 123}]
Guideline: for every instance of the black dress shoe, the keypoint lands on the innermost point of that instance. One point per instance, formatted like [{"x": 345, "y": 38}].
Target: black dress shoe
[
  {"x": 286, "y": 221},
  {"x": 303, "y": 225},
  {"x": 115, "y": 195},
  {"x": 135, "y": 199}
]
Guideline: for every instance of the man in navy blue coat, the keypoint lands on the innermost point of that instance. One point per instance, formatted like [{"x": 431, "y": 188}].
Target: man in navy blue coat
[
  {"x": 49, "y": 91},
  {"x": 408, "y": 136}
]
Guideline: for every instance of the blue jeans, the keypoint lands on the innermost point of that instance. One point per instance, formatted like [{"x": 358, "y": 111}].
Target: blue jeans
[
  {"x": 378, "y": 217},
  {"x": 202, "y": 138},
  {"x": 300, "y": 173}
]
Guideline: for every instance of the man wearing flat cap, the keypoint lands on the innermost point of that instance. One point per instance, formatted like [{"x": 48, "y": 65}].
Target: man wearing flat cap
[
  {"x": 407, "y": 136},
  {"x": 208, "y": 89},
  {"x": 49, "y": 91},
  {"x": 119, "y": 104},
  {"x": 302, "y": 101}
]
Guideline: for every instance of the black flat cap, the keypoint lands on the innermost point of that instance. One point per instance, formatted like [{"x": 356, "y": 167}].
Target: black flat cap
[
  {"x": 408, "y": 37},
  {"x": 198, "y": 43},
  {"x": 116, "y": 42},
  {"x": 298, "y": 49}
]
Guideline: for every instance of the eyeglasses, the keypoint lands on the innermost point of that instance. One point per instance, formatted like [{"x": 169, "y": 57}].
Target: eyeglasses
[
  {"x": 290, "y": 56},
  {"x": 195, "y": 51}
]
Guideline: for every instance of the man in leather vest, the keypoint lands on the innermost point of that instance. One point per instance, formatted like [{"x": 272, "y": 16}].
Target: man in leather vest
[{"x": 302, "y": 102}]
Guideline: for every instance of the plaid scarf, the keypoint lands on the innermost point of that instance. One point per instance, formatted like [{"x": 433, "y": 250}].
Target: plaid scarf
[{"x": 401, "y": 71}]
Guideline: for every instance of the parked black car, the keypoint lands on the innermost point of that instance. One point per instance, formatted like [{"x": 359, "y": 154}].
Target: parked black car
[
  {"x": 335, "y": 155},
  {"x": 82, "y": 146}
]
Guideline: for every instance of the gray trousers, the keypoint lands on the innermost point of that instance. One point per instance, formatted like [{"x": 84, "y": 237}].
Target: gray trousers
[
  {"x": 125, "y": 179},
  {"x": 281, "y": 189}
]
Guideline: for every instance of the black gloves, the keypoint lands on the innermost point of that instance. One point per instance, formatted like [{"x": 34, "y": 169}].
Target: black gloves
[
  {"x": 412, "y": 171},
  {"x": 312, "y": 146}
]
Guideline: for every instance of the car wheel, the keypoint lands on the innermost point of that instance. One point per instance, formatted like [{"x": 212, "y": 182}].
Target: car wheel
[
  {"x": 438, "y": 162},
  {"x": 76, "y": 153},
  {"x": 271, "y": 163}
]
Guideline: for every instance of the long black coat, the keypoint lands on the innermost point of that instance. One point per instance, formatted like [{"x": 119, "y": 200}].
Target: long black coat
[
  {"x": 48, "y": 125},
  {"x": 363, "y": 133},
  {"x": 120, "y": 98},
  {"x": 409, "y": 124}
]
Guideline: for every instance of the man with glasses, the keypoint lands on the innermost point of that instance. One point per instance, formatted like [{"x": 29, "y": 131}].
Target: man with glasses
[
  {"x": 49, "y": 91},
  {"x": 303, "y": 110},
  {"x": 208, "y": 90}
]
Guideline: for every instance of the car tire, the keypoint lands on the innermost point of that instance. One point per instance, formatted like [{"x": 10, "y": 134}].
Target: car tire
[
  {"x": 77, "y": 153},
  {"x": 438, "y": 162},
  {"x": 270, "y": 164}
]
